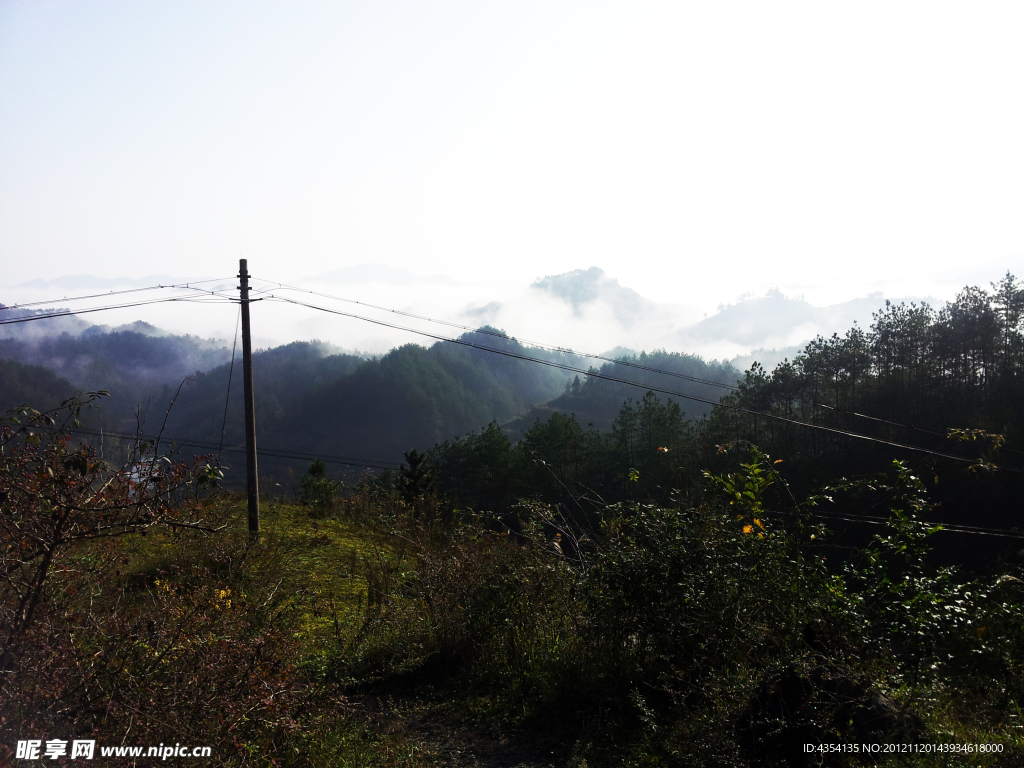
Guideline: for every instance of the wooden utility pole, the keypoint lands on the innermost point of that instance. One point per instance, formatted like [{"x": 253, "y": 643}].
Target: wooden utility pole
[{"x": 251, "y": 481}]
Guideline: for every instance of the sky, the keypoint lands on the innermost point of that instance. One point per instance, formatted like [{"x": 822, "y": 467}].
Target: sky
[{"x": 694, "y": 151}]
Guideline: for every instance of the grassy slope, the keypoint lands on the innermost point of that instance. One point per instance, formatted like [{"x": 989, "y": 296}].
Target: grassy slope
[
  {"x": 333, "y": 575},
  {"x": 354, "y": 581}
]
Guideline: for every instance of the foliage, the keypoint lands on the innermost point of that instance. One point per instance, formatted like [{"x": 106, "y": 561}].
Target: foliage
[
  {"x": 417, "y": 478},
  {"x": 86, "y": 647},
  {"x": 682, "y": 625},
  {"x": 641, "y": 639},
  {"x": 932, "y": 371},
  {"x": 637, "y": 593},
  {"x": 30, "y": 383},
  {"x": 560, "y": 462},
  {"x": 318, "y": 491}
]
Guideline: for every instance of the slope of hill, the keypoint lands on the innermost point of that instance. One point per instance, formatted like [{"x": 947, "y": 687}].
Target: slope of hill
[
  {"x": 31, "y": 385},
  {"x": 597, "y": 402},
  {"x": 105, "y": 360},
  {"x": 282, "y": 376},
  {"x": 38, "y": 329},
  {"x": 416, "y": 397}
]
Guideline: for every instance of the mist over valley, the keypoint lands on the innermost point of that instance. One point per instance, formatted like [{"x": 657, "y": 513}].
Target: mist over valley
[{"x": 375, "y": 401}]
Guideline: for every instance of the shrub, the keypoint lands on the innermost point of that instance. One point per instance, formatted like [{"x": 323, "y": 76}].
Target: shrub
[
  {"x": 317, "y": 490},
  {"x": 189, "y": 651}
]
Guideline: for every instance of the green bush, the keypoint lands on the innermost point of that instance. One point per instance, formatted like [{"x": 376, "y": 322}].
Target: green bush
[{"x": 317, "y": 490}]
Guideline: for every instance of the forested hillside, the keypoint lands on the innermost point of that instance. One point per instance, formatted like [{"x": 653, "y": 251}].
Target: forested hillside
[
  {"x": 309, "y": 397},
  {"x": 415, "y": 396},
  {"x": 950, "y": 381},
  {"x": 909, "y": 379},
  {"x": 596, "y": 401},
  {"x": 943, "y": 391},
  {"x": 21, "y": 384},
  {"x": 748, "y": 561},
  {"x": 134, "y": 363},
  {"x": 959, "y": 368}
]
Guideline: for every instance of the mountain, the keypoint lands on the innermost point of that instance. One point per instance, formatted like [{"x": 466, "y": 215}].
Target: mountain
[
  {"x": 282, "y": 377},
  {"x": 313, "y": 399},
  {"x": 587, "y": 304},
  {"x": 31, "y": 385},
  {"x": 597, "y": 402},
  {"x": 583, "y": 286},
  {"x": 38, "y": 329},
  {"x": 94, "y": 359},
  {"x": 138, "y": 367},
  {"x": 414, "y": 397},
  {"x": 309, "y": 397},
  {"x": 583, "y": 308}
]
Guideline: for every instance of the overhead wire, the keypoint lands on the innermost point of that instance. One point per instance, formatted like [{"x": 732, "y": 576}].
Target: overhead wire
[
  {"x": 538, "y": 344},
  {"x": 486, "y": 331},
  {"x": 898, "y": 424},
  {"x": 606, "y": 377},
  {"x": 219, "y": 297},
  {"x": 566, "y": 350},
  {"x": 214, "y": 299},
  {"x": 110, "y": 293},
  {"x": 383, "y": 464},
  {"x": 283, "y": 453},
  {"x": 1006, "y": 533}
]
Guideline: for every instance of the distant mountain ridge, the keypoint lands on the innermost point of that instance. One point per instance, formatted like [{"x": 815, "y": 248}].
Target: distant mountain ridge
[
  {"x": 582, "y": 286},
  {"x": 584, "y": 301},
  {"x": 592, "y": 296},
  {"x": 777, "y": 321},
  {"x": 771, "y": 321}
]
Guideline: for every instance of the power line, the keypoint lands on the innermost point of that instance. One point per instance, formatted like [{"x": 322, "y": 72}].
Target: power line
[
  {"x": 213, "y": 299},
  {"x": 110, "y": 293},
  {"x": 554, "y": 348},
  {"x": 538, "y": 344},
  {"x": 597, "y": 375},
  {"x": 898, "y": 424},
  {"x": 216, "y": 297},
  {"x": 381, "y": 464},
  {"x": 282, "y": 453},
  {"x": 190, "y": 285},
  {"x": 1005, "y": 533}
]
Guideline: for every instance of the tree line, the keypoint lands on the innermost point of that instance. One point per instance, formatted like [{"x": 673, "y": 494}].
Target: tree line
[
  {"x": 920, "y": 376},
  {"x": 949, "y": 381}
]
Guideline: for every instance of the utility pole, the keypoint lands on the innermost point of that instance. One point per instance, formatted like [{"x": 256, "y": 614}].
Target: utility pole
[{"x": 251, "y": 481}]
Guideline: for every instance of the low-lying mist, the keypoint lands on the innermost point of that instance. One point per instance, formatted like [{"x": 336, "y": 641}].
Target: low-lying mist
[{"x": 585, "y": 310}]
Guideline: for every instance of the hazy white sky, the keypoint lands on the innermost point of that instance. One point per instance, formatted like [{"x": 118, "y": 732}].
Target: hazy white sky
[{"x": 693, "y": 150}]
